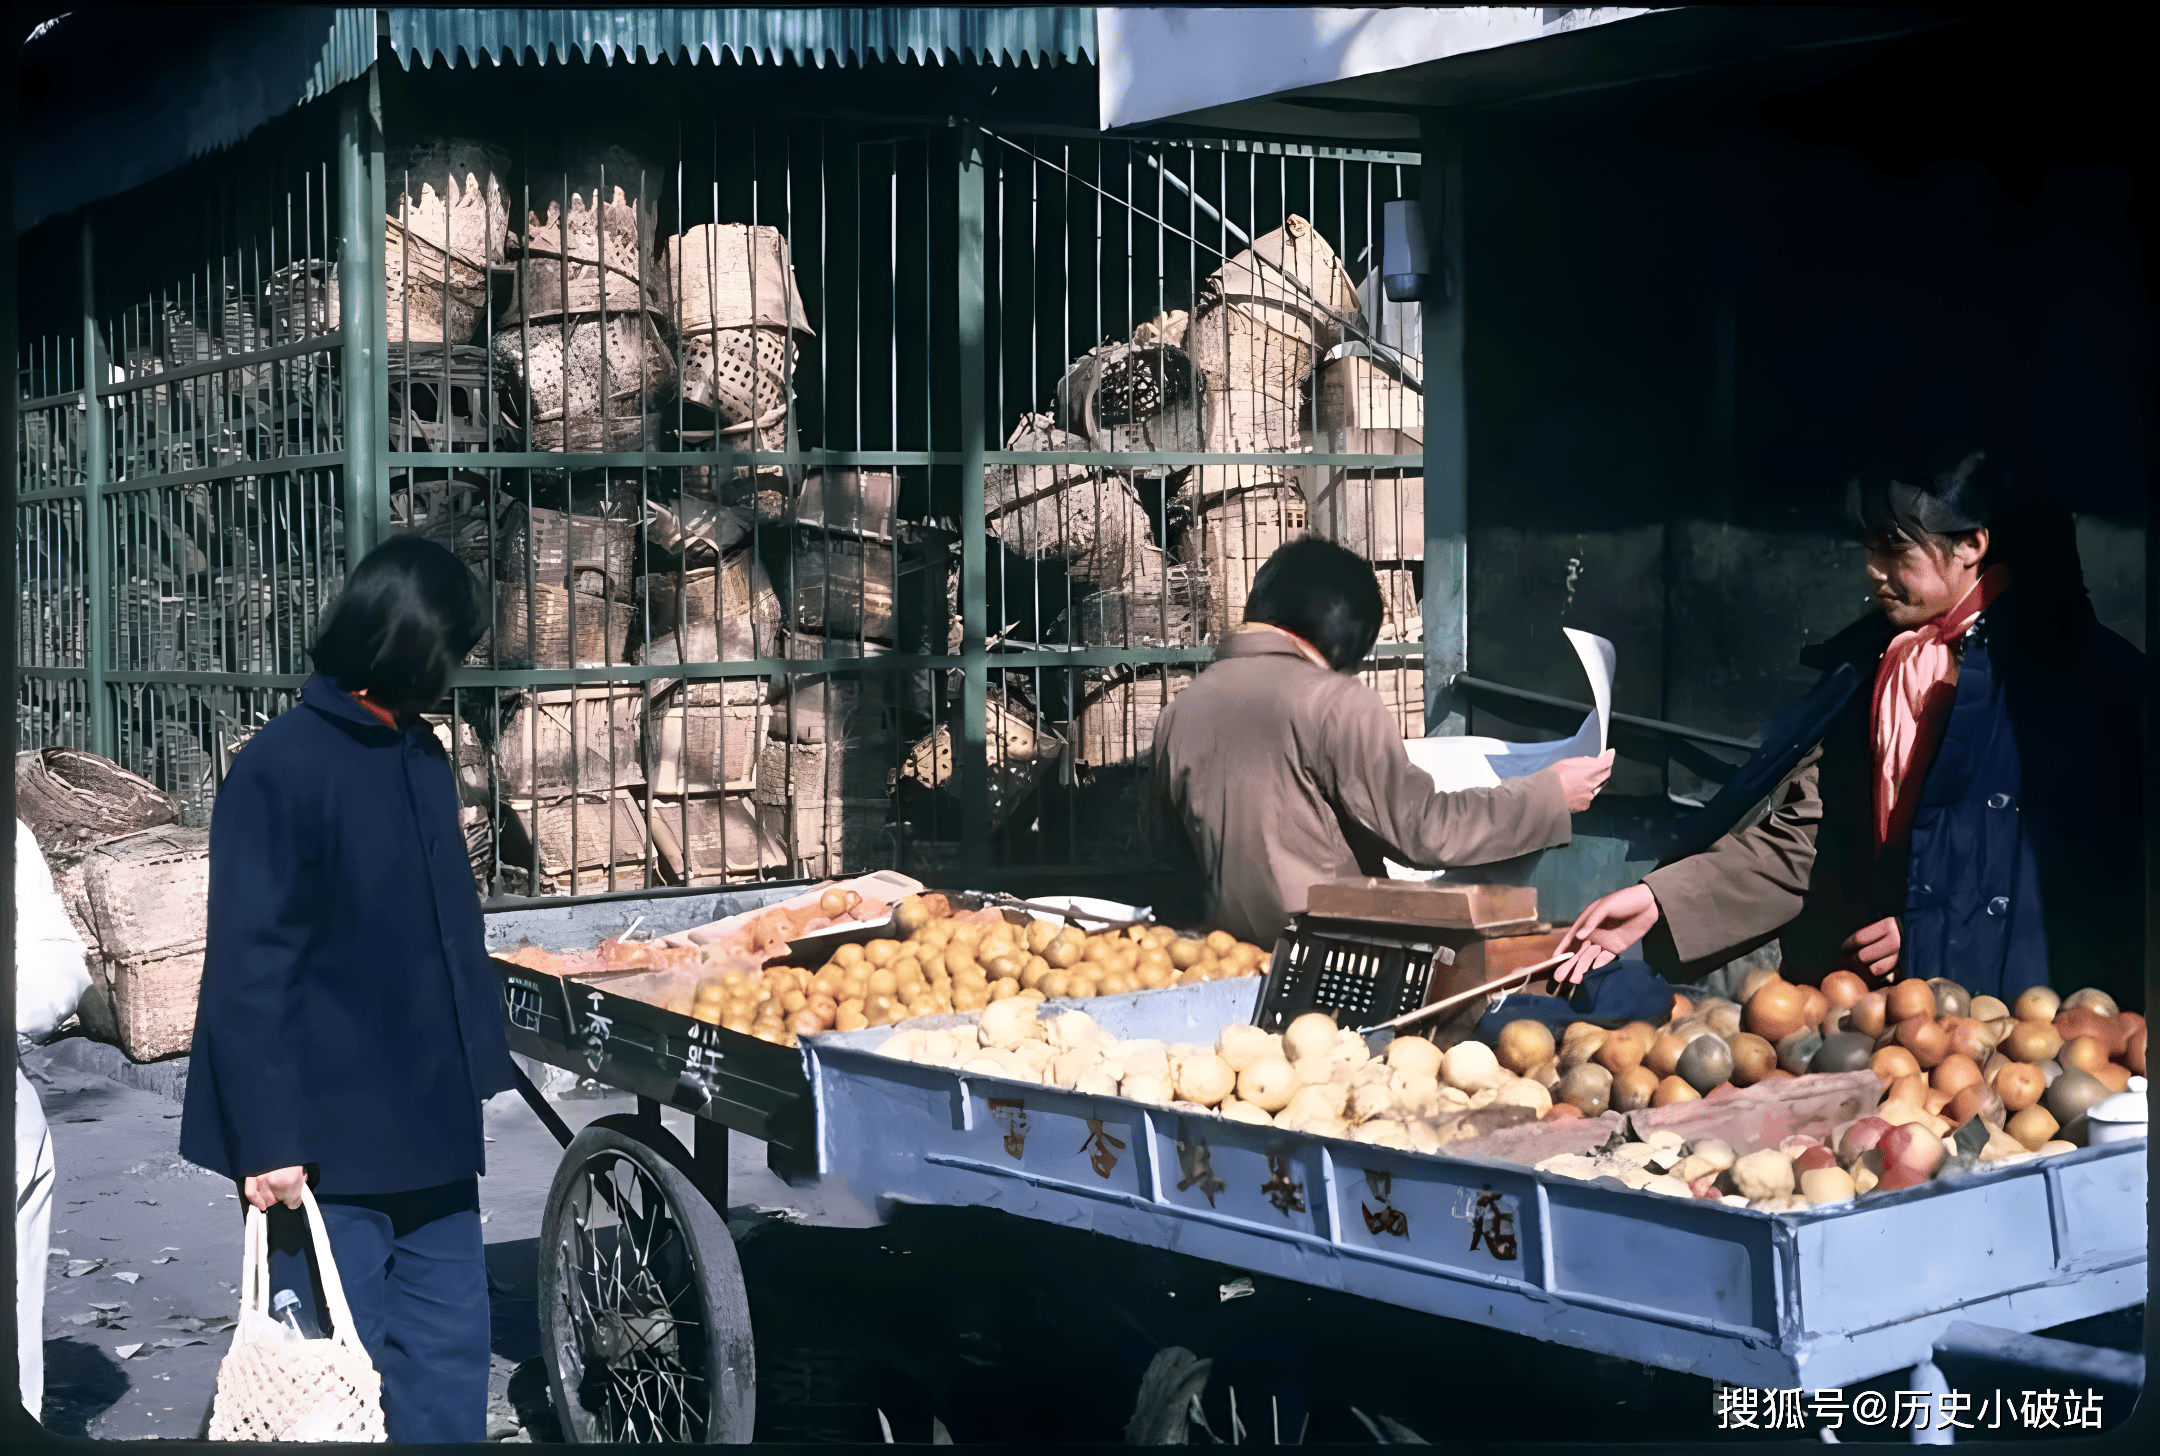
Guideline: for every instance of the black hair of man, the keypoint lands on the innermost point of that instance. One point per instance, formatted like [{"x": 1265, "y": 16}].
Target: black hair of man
[
  {"x": 1324, "y": 593},
  {"x": 408, "y": 615}
]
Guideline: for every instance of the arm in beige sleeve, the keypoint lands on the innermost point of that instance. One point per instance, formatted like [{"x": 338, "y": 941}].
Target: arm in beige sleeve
[
  {"x": 1363, "y": 767},
  {"x": 1752, "y": 881}
]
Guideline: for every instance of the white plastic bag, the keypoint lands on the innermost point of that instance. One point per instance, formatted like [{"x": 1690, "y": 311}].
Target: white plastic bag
[{"x": 276, "y": 1385}]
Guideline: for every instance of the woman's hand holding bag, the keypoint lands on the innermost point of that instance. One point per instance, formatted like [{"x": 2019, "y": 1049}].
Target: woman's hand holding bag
[{"x": 275, "y": 1385}]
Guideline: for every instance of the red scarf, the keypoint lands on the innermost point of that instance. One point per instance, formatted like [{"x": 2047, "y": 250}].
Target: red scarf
[
  {"x": 387, "y": 718},
  {"x": 1914, "y": 690}
]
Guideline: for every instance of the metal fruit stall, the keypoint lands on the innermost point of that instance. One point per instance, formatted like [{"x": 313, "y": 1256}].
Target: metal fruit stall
[{"x": 648, "y": 1332}]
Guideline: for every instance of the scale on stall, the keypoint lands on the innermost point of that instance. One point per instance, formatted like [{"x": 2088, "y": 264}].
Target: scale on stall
[{"x": 1376, "y": 953}]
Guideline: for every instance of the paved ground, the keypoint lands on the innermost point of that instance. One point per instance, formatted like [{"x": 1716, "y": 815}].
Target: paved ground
[{"x": 994, "y": 1328}]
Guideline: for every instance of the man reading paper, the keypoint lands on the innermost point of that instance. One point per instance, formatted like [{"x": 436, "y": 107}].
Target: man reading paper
[{"x": 1278, "y": 769}]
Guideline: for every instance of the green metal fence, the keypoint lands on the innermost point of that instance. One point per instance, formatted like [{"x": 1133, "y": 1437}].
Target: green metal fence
[{"x": 850, "y": 495}]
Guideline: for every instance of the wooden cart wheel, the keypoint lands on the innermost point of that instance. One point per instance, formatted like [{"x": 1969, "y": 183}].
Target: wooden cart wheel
[{"x": 643, "y": 1314}]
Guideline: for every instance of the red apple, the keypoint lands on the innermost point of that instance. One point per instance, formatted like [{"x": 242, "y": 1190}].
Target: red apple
[
  {"x": 1911, "y": 1146},
  {"x": 1811, "y": 1158},
  {"x": 1900, "y": 1175},
  {"x": 1861, "y": 1137}
]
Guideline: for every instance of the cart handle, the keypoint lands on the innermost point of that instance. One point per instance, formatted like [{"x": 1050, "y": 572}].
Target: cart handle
[{"x": 549, "y": 1117}]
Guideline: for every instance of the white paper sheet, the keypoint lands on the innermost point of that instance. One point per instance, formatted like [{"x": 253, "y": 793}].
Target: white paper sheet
[{"x": 1481, "y": 763}]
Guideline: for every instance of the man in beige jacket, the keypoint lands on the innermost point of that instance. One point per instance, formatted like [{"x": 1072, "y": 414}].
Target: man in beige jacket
[{"x": 1278, "y": 769}]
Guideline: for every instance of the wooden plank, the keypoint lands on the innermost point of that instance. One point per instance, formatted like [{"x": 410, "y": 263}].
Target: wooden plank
[{"x": 1409, "y": 902}]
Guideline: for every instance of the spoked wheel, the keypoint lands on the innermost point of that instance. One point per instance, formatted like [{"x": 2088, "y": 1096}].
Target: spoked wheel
[{"x": 642, "y": 1308}]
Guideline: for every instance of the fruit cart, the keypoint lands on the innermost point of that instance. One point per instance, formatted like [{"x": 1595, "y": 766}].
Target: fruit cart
[{"x": 647, "y": 1330}]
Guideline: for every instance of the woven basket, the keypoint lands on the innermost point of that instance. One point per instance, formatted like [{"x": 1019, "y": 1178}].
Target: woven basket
[
  {"x": 421, "y": 306},
  {"x": 436, "y": 255},
  {"x": 1402, "y": 615},
  {"x": 154, "y": 1004},
  {"x": 593, "y": 383},
  {"x": 569, "y": 740},
  {"x": 541, "y": 635},
  {"x": 700, "y": 839},
  {"x": 841, "y": 587},
  {"x": 302, "y": 299},
  {"x": 1157, "y": 612},
  {"x": 1134, "y": 398},
  {"x": 1021, "y": 753},
  {"x": 1117, "y": 721},
  {"x": 699, "y": 747},
  {"x": 564, "y": 547},
  {"x": 1095, "y": 524},
  {"x": 454, "y": 403},
  {"x": 1232, "y": 541},
  {"x": 727, "y": 613},
  {"x": 591, "y": 261},
  {"x": 741, "y": 375},
  {"x": 1381, "y": 517},
  {"x": 586, "y": 833},
  {"x": 71, "y": 798},
  {"x": 732, "y": 276}
]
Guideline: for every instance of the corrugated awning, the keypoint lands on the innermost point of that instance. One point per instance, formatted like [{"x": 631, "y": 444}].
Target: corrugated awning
[
  {"x": 1040, "y": 36},
  {"x": 124, "y": 96}
]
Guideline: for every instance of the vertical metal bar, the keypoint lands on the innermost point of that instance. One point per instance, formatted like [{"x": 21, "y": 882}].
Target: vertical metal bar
[
  {"x": 1447, "y": 455},
  {"x": 95, "y": 646},
  {"x": 360, "y": 292},
  {"x": 974, "y": 565}
]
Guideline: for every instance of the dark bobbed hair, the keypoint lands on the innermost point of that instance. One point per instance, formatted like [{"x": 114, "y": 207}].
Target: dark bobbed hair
[
  {"x": 408, "y": 615},
  {"x": 1932, "y": 508},
  {"x": 1326, "y": 594}
]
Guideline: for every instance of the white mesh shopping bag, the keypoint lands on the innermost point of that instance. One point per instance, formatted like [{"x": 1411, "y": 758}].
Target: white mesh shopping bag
[{"x": 276, "y": 1385}]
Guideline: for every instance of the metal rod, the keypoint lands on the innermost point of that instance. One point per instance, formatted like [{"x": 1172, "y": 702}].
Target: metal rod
[
  {"x": 360, "y": 287},
  {"x": 1647, "y": 725},
  {"x": 974, "y": 567},
  {"x": 95, "y": 466}
]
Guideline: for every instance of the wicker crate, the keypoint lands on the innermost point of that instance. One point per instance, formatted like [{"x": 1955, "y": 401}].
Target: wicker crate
[
  {"x": 565, "y": 740},
  {"x": 1095, "y": 524},
  {"x": 579, "y": 837},
  {"x": 727, "y": 613},
  {"x": 1021, "y": 753},
  {"x": 148, "y": 898},
  {"x": 712, "y": 837},
  {"x": 594, "y": 382},
  {"x": 542, "y": 634},
  {"x": 561, "y": 549},
  {"x": 702, "y": 747},
  {"x": 1165, "y": 611},
  {"x": 1402, "y": 615},
  {"x": 1232, "y": 541},
  {"x": 153, "y": 1002},
  {"x": 841, "y": 588},
  {"x": 1379, "y": 516},
  {"x": 1117, "y": 720}
]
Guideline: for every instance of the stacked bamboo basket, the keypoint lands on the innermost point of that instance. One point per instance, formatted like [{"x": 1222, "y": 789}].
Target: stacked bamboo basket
[{"x": 1272, "y": 358}]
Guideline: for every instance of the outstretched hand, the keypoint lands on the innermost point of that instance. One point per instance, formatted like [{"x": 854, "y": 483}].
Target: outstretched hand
[
  {"x": 1606, "y": 928},
  {"x": 1872, "y": 950}
]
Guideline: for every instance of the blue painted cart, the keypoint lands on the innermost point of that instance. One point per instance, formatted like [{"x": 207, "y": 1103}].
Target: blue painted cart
[{"x": 648, "y": 1333}]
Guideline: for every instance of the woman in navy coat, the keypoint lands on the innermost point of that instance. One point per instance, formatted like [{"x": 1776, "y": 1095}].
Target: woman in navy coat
[
  {"x": 347, "y": 1031},
  {"x": 1960, "y": 795}
]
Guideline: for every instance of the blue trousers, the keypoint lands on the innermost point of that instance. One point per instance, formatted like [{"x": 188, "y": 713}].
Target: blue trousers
[{"x": 415, "y": 1275}]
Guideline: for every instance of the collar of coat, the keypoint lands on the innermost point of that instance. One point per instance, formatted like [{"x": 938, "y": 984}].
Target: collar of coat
[
  {"x": 1270, "y": 643},
  {"x": 333, "y": 702}
]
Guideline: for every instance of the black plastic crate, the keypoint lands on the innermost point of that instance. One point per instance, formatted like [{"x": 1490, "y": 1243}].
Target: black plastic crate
[{"x": 1360, "y": 974}]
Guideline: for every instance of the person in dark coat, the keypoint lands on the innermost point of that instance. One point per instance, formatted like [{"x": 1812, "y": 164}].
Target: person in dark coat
[
  {"x": 1960, "y": 794},
  {"x": 347, "y": 1030}
]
